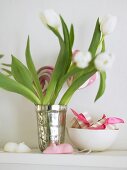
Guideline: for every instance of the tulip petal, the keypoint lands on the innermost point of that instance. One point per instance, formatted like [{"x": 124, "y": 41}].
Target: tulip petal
[
  {"x": 113, "y": 120},
  {"x": 81, "y": 117}
]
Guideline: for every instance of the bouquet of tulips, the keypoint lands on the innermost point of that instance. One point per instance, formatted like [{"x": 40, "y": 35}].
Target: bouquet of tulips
[{"x": 80, "y": 66}]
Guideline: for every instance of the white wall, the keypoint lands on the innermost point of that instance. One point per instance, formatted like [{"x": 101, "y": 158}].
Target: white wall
[{"x": 20, "y": 18}]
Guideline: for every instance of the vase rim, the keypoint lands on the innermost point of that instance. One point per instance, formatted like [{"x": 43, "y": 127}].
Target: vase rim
[{"x": 51, "y": 107}]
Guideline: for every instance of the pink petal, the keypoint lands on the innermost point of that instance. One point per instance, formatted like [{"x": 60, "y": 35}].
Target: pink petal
[
  {"x": 98, "y": 127},
  {"x": 84, "y": 119},
  {"x": 75, "y": 113},
  {"x": 113, "y": 120},
  {"x": 81, "y": 117},
  {"x": 104, "y": 116}
]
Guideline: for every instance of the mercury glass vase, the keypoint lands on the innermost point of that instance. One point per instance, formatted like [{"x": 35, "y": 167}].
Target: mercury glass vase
[{"x": 51, "y": 121}]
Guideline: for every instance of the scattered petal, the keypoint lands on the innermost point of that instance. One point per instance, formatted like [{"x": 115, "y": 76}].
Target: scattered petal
[
  {"x": 23, "y": 148},
  {"x": 113, "y": 120},
  {"x": 10, "y": 147}
]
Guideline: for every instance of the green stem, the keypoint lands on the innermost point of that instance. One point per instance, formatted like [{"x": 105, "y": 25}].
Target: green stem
[
  {"x": 59, "y": 86},
  {"x": 75, "y": 85}
]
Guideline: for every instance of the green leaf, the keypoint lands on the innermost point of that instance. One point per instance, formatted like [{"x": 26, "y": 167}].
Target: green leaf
[
  {"x": 68, "y": 48},
  {"x": 96, "y": 39},
  {"x": 75, "y": 85},
  {"x": 13, "y": 86},
  {"x": 103, "y": 46},
  {"x": 63, "y": 61},
  {"x": 7, "y": 65},
  {"x": 74, "y": 71},
  {"x": 54, "y": 78},
  {"x": 1, "y": 55},
  {"x": 7, "y": 71},
  {"x": 21, "y": 73},
  {"x": 33, "y": 71},
  {"x": 102, "y": 86},
  {"x": 72, "y": 35}
]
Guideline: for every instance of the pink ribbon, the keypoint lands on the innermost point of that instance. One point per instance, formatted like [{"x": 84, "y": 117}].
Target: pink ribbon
[{"x": 100, "y": 124}]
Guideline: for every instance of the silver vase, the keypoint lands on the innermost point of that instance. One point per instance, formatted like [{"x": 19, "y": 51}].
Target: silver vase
[{"x": 51, "y": 120}]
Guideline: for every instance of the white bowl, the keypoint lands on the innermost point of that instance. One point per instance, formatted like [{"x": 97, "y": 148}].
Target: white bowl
[{"x": 94, "y": 140}]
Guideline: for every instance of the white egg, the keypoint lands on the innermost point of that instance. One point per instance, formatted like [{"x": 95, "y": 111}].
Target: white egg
[
  {"x": 10, "y": 147},
  {"x": 22, "y": 147}
]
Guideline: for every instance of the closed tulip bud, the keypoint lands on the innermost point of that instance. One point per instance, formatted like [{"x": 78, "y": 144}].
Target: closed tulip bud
[
  {"x": 108, "y": 24},
  {"x": 104, "y": 61},
  {"x": 51, "y": 18},
  {"x": 82, "y": 59}
]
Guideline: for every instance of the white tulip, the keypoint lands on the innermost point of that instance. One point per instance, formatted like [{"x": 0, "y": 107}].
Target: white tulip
[
  {"x": 82, "y": 59},
  {"x": 10, "y": 147},
  {"x": 104, "y": 61},
  {"x": 108, "y": 24},
  {"x": 23, "y": 148},
  {"x": 51, "y": 18}
]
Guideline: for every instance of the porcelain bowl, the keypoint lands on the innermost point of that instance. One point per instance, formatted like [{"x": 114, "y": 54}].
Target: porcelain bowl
[{"x": 94, "y": 140}]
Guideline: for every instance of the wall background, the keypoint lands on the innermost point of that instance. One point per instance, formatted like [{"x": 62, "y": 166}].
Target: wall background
[{"x": 20, "y": 18}]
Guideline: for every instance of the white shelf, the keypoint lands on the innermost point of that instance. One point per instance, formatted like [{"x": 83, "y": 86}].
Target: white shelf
[{"x": 112, "y": 159}]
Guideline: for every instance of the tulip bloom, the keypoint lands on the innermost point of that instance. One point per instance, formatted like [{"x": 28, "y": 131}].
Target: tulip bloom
[
  {"x": 82, "y": 59},
  {"x": 104, "y": 61},
  {"x": 51, "y": 18},
  {"x": 108, "y": 24}
]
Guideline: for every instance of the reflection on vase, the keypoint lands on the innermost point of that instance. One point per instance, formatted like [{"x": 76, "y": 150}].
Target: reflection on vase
[{"x": 51, "y": 120}]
